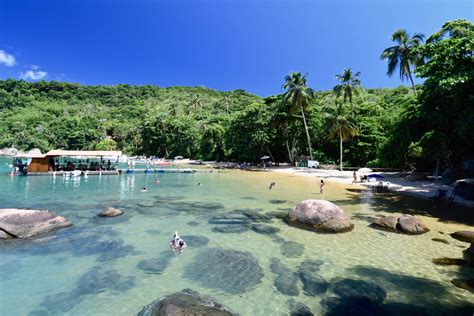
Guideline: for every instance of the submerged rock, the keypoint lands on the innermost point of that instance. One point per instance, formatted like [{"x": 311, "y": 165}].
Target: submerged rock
[
  {"x": 277, "y": 214},
  {"x": 464, "y": 235},
  {"x": 277, "y": 201},
  {"x": 265, "y": 229},
  {"x": 97, "y": 279},
  {"x": 441, "y": 240},
  {"x": 230, "y": 229},
  {"x": 359, "y": 289},
  {"x": 291, "y": 249},
  {"x": 110, "y": 212},
  {"x": 19, "y": 223},
  {"x": 313, "y": 284},
  {"x": 195, "y": 241},
  {"x": 299, "y": 309},
  {"x": 185, "y": 303},
  {"x": 232, "y": 271},
  {"x": 407, "y": 224},
  {"x": 449, "y": 261},
  {"x": 193, "y": 223},
  {"x": 286, "y": 281},
  {"x": 465, "y": 284},
  {"x": 320, "y": 216},
  {"x": 156, "y": 265}
]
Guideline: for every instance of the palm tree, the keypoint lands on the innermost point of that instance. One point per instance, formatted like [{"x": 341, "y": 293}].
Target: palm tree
[
  {"x": 340, "y": 125},
  {"x": 404, "y": 54},
  {"x": 298, "y": 94},
  {"x": 349, "y": 86}
]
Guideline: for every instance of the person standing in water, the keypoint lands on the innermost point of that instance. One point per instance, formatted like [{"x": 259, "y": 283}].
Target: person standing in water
[
  {"x": 177, "y": 243},
  {"x": 321, "y": 186},
  {"x": 355, "y": 177}
]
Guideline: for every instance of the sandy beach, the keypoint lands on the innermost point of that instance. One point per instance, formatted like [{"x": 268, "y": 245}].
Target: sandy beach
[{"x": 422, "y": 189}]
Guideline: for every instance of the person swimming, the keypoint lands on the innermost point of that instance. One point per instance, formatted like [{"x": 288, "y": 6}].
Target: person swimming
[
  {"x": 199, "y": 184},
  {"x": 157, "y": 181},
  {"x": 272, "y": 185},
  {"x": 143, "y": 189},
  {"x": 177, "y": 242}
]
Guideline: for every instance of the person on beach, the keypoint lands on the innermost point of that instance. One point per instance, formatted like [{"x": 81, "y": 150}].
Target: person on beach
[
  {"x": 321, "y": 186},
  {"x": 272, "y": 185},
  {"x": 177, "y": 242},
  {"x": 355, "y": 177}
]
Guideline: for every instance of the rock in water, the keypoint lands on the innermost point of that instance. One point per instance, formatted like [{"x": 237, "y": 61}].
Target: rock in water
[
  {"x": 359, "y": 289},
  {"x": 195, "y": 241},
  {"x": 110, "y": 212},
  {"x": 265, "y": 229},
  {"x": 411, "y": 225},
  {"x": 449, "y": 261},
  {"x": 320, "y": 216},
  {"x": 18, "y": 223},
  {"x": 464, "y": 235},
  {"x": 313, "y": 284},
  {"x": 232, "y": 271},
  {"x": 185, "y": 303},
  {"x": 286, "y": 281},
  {"x": 388, "y": 223},
  {"x": 406, "y": 224}
]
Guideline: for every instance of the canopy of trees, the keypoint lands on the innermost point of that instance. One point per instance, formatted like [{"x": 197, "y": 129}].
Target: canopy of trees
[{"x": 395, "y": 127}]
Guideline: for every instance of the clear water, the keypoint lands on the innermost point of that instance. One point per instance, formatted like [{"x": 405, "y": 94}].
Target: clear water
[{"x": 91, "y": 268}]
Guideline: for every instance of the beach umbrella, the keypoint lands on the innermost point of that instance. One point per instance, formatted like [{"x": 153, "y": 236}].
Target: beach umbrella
[
  {"x": 364, "y": 170},
  {"x": 178, "y": 157},
  {"x": 265, "y": 157},
  {"x": 374, "y": 175}
]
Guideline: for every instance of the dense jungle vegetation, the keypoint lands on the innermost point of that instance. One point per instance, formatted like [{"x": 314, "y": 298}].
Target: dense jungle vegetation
[{"x": 400, "y": 127}]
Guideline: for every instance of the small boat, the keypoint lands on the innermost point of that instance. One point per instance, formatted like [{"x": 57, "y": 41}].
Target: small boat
[{"x": 75, "y": 173}]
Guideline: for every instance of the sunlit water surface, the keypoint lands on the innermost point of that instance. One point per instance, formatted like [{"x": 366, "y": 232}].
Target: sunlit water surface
[{"x": 96, "y": 266}]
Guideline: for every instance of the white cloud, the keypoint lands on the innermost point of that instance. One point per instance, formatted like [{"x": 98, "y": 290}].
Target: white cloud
[
  {"x": 35, "y": 67},
  {"x": 7, "y": 59},
  {"x": 33, "y": 75}
]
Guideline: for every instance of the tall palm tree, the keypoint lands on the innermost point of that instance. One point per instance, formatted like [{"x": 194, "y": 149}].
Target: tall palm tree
[
  {"x": 349, "y": 86},
  {"x": 298, "y": 94},
  {"x": 404, "y": 54},
  {"x": 340, "y": 125}
]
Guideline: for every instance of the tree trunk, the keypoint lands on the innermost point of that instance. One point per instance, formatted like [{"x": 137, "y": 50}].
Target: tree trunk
[
  {"x": 289, "y": 152},
  {"x": 307, "y": 132},
  {"x": 352, "y": 105},
  {"x": 411, "y": 79},
  {"x": 340, "y": 149}
]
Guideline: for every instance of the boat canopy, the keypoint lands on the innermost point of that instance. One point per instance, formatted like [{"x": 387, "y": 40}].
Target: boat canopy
[
  {"x": 32, "y": 155},
  {"x": 90, "y": 153}
]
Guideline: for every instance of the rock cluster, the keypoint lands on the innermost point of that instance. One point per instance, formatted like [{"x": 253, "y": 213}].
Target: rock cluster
[
  {"x": 110, "y": 212},
  {"x": 406, "y": 224}
]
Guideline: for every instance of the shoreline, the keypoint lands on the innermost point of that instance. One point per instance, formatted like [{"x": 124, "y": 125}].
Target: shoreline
[{"x": 419, "y": 189}]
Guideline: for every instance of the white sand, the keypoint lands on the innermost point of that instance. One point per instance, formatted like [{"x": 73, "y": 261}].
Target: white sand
[{"x": 423, "y": 189}]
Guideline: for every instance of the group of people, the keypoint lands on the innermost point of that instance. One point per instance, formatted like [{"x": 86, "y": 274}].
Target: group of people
[{"x": 103, "y": 165}]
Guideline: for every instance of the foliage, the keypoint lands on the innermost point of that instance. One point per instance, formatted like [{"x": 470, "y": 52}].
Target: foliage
[{"x": 404, "y": 54}]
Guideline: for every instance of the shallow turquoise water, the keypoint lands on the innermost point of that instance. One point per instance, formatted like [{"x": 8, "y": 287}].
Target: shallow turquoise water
[{"x": 99, "y": 267}]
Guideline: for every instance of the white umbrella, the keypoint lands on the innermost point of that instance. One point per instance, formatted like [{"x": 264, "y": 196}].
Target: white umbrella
[
  {"x": 364, "y": 170},
  {"x": 265, "y": 157}
]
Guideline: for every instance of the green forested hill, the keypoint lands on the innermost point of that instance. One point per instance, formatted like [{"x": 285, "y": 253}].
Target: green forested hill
[{"x": 192, "y": 121}]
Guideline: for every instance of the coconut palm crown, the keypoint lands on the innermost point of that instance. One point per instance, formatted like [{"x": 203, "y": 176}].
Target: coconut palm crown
[
  {"x": 349, "y": 85},
  {"x": 298, "y": 94},
  {"x": 403, "y": 54}
]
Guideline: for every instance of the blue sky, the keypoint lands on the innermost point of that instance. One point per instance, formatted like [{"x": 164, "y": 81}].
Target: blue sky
[{"x": 221, "y": 44}]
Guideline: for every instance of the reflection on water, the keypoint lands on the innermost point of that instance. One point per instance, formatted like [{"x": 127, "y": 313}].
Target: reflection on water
[{"x": 239, "y": 250}]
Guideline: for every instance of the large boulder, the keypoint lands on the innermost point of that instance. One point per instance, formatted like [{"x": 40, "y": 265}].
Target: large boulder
[
  {"x": 406, "y": 224},
  {"x": 19, "y": 223},
  {"x": 184, "y": 303},
  {"x": 320, "y": 216},
  {"x": 110, "y": 212}
]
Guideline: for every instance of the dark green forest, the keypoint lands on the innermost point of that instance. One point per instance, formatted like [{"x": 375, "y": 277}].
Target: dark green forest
[{"x": 404, "y": 127}]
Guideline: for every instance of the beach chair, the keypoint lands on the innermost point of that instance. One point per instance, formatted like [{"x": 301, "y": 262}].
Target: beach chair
[{"x": 440, "y": 196}]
